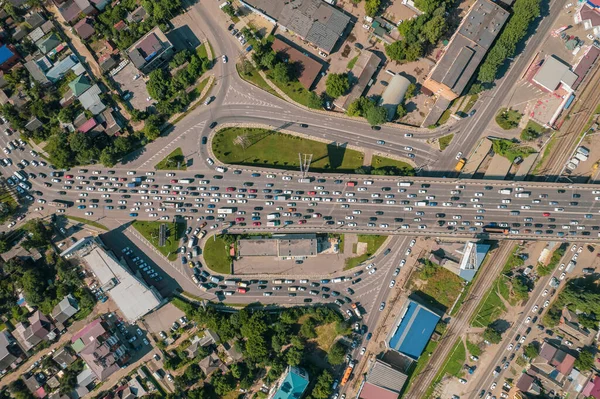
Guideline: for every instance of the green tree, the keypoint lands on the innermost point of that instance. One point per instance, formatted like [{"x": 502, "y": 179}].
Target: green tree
[
  {"x": 372, "y": 7},
  {"x": 337, "y": 84},
  {"x": 337, "y": 354},
  {"x": 268, "y": 60},
  {"x": 531, "y": 350},
  {"x": 492, "y": 335},
  {"x": 281, "y": 72},
  {"x": 396, "y": 51},
  {"x": 400, "y": 111},
  {"x": 427, "y": 6},
  {"x": 223, "y": 383},
  {"x": 322, "y": 388},
  {"x": 411, "y": 91},
  {"x": 293, "y": 356},
  {"x": 585, "y": 360},
  {"x": 152, "y": 127},
  {"x": 308, "y": 328},
  {"x": 376, "y": 115},
  {"x": 159, "y": 84},
  {"x": 314, "y": 101},
  {"x": 434, "y": 29},
  {"x": 229, "y": 10}
]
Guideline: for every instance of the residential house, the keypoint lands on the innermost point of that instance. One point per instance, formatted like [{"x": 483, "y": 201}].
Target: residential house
[
  {"x": 8, "y": 57},
  {"x": 109, "y": 122},
  {"x": 20, "y": 32},
  {"x": 119, "y": 26},
  {"x": 86, "y": 7},
  {"x": 569, "y": 325},
  {"x": 3, "y": 97},
  {"x": 86, "y": 381},
  {"x": 37, "y": 329},
  {"x": 35, "y": 20},
  {"x": 211, "y": 363},
  {"x": 291, "y": 385},
  {"x": 210, "y": 338},
  {"x": 233, "y": 355},
  {"x": 65, "y": 309},
  {"x": 63, "y": 357},
  {"x": 34, "y": 124},
  {"x": 37, "y": 69},
  {"x": 360, "y": 77},
  {"x": 137, "y": 15},
  {"x": 9, "y": 352},
  {"x": 59, "y": 69},
  {"x": 100, "y": 4},
  {"x": 87, "y": 126},
  {"x": 527, "y": 384},
  {"x": 107, "y": 62},
  {"x": 48, "y": 43},
  {"x": 79, "y": 85},
  {"x": 592, "y": 388},
  {"x": 101, "y": 350},
  {"x": 34, "y": 386},
  {"x": 310, "y": 68},
  {"x": 151, "y": 51},
  {"x": 84, "y": 28},
  {"x": 90, "y": 100},
  {"x": 70, "y": 11}
]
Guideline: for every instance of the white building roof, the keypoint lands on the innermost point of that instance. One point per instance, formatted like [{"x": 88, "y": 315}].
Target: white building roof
[{"x": 131, "y": 294}]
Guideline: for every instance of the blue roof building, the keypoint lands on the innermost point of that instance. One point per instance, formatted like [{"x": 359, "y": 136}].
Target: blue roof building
[
  {"x": 291, "y": 385},
  {"x": 415, "y": 327},
  {"x": 8, "y": 57}
]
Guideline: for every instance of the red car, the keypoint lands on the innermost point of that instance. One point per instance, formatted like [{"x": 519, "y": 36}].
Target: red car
[
  {"x": 69, "y": 176},
  {"x": 312, "y": 193},
  {"x": 230, "y": 189},
  {"x": 317, "y": 215},
  {"x": 546, "y": 214},
  {"x": 252, "y": 190},
  {"x": 256, "y": 224},
  {"x": 302, "y": 221},
  {"x": 239, "y": 219},
  {"x": 122, "y": 179},
  {"x": 174, "y": 181}
]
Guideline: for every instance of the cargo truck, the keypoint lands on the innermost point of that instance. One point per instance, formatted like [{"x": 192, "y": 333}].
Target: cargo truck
[
  {"x": 272, "y": 216},
  {"x": 460, "y": 164},
  {"x": 281, "y": 197}
]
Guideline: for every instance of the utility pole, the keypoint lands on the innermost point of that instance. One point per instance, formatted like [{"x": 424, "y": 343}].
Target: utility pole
[{"x": 305, "y": 160}]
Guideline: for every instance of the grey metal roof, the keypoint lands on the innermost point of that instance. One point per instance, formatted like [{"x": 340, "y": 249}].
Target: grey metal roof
[
  {"x": 361, "y": 74},
  {"x": 553, "y": 72},
  {"x": 90, "y": 100},
  {"x": 483, "y": 23},
  {"x": 385, "y": 376},
  {"x": 393, "y": 94},
  {"x": 314, "y": 20}
]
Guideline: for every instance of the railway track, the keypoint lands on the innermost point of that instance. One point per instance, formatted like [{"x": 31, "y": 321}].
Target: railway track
[
  {"x": 459, "y": 324},
  {"x": 571, "y": 130}
]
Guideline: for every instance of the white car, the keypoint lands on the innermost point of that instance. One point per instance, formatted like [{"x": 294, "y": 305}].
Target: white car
[
  {"x": 408, "y": 134},
  {"x": 546, "y": 304},
  {"x": 528, "y": 319},
  {"x": 412, "y": 243},
  {"x": 369, "y": 266},
  {"x": 535, "y": 308},
  {"x": 363, "y": 350},
  {"x": 373, "y": 270},
  {"x": 462, "y": 380},
  {"x": 408, "y": 251},
  {"x": 392, "y": 283},
  {"x": 562, "y": 276},
  {"x": 510, "y": 347},
  {"x": 408, "y": 148},
  {"x": 459, "y": 155},
  {"x": 89, "y": 213},
  {"x": 224, "y": 58},
  {"x": 545, "y": 293}
]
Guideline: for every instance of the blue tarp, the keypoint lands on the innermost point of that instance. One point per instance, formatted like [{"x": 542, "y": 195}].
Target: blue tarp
[{"x": 5, "y": 54}]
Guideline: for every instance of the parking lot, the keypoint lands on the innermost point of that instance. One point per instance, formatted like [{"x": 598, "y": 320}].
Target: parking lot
[
  {"x": 137, "y": 87},
  {"x": 162, "y": 319}
]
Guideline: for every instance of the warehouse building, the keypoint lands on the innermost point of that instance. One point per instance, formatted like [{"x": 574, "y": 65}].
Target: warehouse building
[
  {"x": 283, "y": 246},
  {"x": 315, "y": 21},
  {"x": 415, "y": 327}
]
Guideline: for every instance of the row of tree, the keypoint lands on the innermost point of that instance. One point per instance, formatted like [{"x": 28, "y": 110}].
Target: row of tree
[
  {"x": 581, "y": 295},
  {"x": 523, "y": 14}
]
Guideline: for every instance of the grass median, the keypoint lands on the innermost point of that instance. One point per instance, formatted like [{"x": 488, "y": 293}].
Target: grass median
[
  {"x": 88, "y": 222},
  {"x": 373, "y": 243},
  {"x": 263, "y": 147},
  {"x": 216, "y": 254},
  {"x": 174, "y": 161},
  {"x": 150, "y": 231}
]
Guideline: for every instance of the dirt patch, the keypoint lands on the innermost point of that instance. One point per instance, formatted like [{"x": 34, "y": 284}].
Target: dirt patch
[
  {"x": 361, "y": 248},
  {"x": 346, "y": 51}
]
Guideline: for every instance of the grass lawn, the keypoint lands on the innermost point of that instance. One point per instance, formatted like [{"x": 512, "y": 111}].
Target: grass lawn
[
  {"x": 171, "y": 161},
  {"x": 443, "y": 286},
  {"x": 472, "y": 100},
  {"x": 473, "y": 349},
  {"x": 90, "y": 222},
  {"x": 293, "y": 90},
  {"x": 326, "y": 336},
  {"x": 445, "y": 141},
  {"x": 373, "y": 244},
  {"x": 490, "y": 308},
  {"x": 10, "y": 202},
  {"x": 254, "y": 77},
  {"x": 279, "y": 150},
  {"x": 510, "y": 150},
  {"x": 508, "y": 118},
  {"x": 149, "y": 230},
  {"x": 513, "y": 261},
  {"x": 444, "y": 118},
  {"x": 547, "y": 151},
  {"x": 532, "y": 131},
  {"x": 452, "y": 366},
  {"x": 352, "y": 62},
  {"x": 405, "y": 169},
  {"x": 202, "y": 52},
  {"x": 216, "y": 255},
  {"x": 196, "y": 93}
]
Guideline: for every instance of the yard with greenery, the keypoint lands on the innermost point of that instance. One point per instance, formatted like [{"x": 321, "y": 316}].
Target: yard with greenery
[
  {"x": 445, "y": 141},
  {"x": 352, "y": 62},
  {"x": 491, "y": 307},
  {"x": 442, "y": 287},
  {"x": 532, "y": 131},
  {"x": 262, "y": 147},
  {"x": 8, "y": 205},
  {"x": 216, "y": 253},
  {"x": 250, "y": 74},
  {"x": 379, "y": 162},
  {"x": 508, "y": 118},
  {"x": 373, "y": 243},
  {"x": 511, "y": 150},
  {"x": 150, "y": 231},
  {"x": 171, "y": 161},
  {"x": 473, "y": 348}
]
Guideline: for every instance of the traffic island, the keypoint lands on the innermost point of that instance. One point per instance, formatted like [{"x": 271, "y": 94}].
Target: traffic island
[
  {"x": 151, "y": 232},
  {"x": 173, "y": 161},
  {"x": 217, "y": 253},
  {"x": 260, "y": 147},
  {"x": 366, "y": 246}
]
